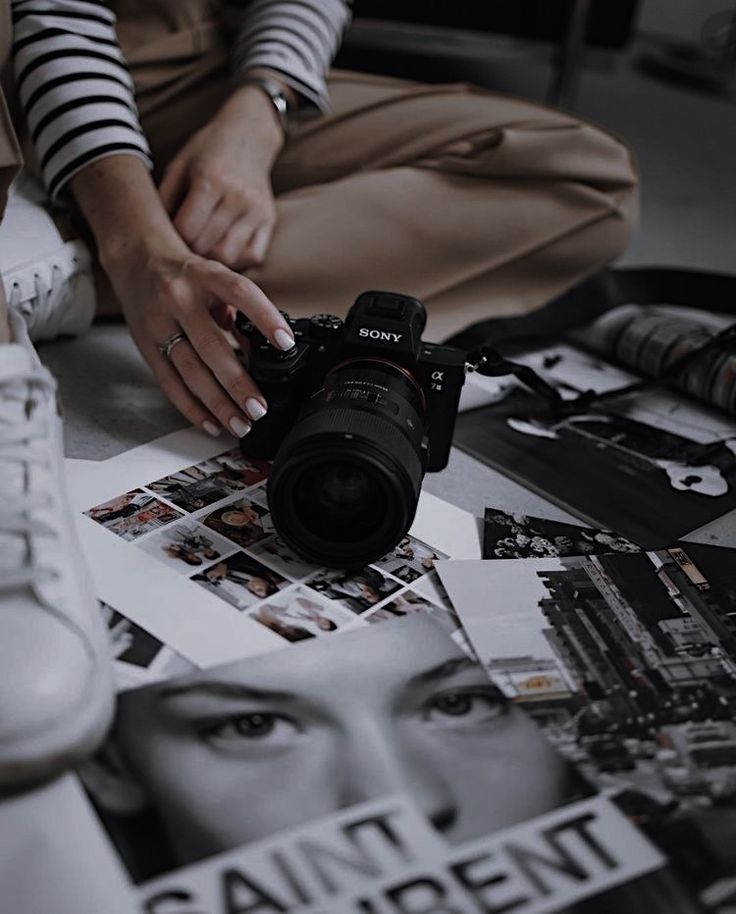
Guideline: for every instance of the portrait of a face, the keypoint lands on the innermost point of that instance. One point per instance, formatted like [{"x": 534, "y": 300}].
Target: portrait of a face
[{"x": 228, "y": 756}]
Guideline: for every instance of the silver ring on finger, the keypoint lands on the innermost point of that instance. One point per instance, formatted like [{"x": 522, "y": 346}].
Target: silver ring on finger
[{"x": 167, "y": 345}]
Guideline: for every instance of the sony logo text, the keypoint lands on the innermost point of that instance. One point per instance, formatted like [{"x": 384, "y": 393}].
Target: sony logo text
[{"x": 384, "y": 335}]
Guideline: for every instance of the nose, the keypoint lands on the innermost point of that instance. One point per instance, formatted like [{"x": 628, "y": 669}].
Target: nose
[{"x": 380, "y": 761}]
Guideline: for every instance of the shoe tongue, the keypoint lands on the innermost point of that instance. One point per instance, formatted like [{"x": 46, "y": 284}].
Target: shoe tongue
[{"x": 15, "y": 359}]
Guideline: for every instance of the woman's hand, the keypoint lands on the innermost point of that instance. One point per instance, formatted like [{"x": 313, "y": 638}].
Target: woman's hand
[
  {"x": 165, "y": 289},
  {"x": 187, "y": 293},
  {"x": 217, "y": 189}
]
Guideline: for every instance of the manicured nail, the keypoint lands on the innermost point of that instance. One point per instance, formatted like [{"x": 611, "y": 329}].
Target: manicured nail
[
  {"x": 211, "y": 428},
  {"x": 239, "y": 427},
  {"x": 283, "y": 339},
  {"x": 255, "y": 409}
]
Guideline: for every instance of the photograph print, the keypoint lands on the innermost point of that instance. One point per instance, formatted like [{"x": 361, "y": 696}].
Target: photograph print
[
  {"x": 522, "y": 536},
  {"x": 139, "y": 657},
  {"x": 225, "y": 757},
  {"x": 243, "y": 522},
  {"x": 298, "y": 614},
  {"x": 133, "y": 514},
  {"x": 410, "y": 559},
  {"x": 275, "y": 553},
  {"x": 615, "y": 464},
  {"x": 241, "y": 580},
  {"x": 628, "y": 663},
  {"x": 356, "y": 590},
  {"x": 186, "y": 546}
]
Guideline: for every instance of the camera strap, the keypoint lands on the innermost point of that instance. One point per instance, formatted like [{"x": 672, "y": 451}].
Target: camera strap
[{"x": 584, "y": 303}]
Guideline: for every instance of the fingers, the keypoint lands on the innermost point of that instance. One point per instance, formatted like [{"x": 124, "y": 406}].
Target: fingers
[
  {"x": 174, "y": 388},
  {"x": 243, "y": 294},
  {"x": 245, "y": 243},
  {"x": 209, "y": 391},
  {"x": 171, "y": 189},
  {"x": 196, "y": 210},
  {"x": 224, "y": 371}
]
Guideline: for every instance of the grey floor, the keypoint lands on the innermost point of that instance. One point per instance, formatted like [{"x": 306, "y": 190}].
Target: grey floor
[{"x": 686, "y": 144}]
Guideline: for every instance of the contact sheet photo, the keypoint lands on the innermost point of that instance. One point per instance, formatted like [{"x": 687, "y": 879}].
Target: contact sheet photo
[{"x": 181, "y": 544}]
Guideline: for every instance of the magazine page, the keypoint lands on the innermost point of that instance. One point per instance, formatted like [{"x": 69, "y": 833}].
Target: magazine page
[
  {"x": 628, "y": 664},
  {"x": 180, "y": 543},
  {"x": 652, "y": 466},
  {"x": 381, "y": 772}
]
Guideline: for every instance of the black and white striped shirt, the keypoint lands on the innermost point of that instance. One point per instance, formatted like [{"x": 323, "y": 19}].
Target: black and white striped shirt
[{"x": 77, "y": 94}]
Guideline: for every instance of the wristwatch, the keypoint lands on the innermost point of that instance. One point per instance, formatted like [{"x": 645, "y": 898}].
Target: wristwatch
[{"x": 277, "y": 95}]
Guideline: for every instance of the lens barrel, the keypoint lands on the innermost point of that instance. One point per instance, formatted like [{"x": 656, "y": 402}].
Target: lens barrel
[{"x": 345, "y": 483}]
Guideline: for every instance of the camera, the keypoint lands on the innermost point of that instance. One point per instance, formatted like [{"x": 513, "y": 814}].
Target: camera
[{"x": 358, "y": 411}]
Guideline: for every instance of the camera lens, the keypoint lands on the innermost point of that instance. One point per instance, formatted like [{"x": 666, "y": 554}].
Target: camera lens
[{"x": 345, "y": 483}]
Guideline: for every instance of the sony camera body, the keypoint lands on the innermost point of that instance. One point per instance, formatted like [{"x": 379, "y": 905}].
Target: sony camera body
[{"x": 382, "y": 329}]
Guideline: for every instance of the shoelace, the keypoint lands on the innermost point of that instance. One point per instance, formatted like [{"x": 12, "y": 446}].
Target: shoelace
[
  {"x": 16, "y": 518},
  {"x": 42, "y": 306}
]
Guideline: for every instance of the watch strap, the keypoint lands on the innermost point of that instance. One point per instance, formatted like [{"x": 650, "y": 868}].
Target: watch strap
[{"x": 277, "y": 96}]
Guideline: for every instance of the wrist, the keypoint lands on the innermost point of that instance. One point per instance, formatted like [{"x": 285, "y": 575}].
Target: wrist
[
  {"x": 251, "y": 111},
  {"x": 141, "y": 250}
]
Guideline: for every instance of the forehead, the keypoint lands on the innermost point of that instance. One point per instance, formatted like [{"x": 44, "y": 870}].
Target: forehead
[{"x": 377, "y": 658}]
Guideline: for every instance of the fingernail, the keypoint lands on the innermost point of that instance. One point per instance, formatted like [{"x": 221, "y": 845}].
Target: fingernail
[
  {"x": 211, "y": 428},
  {"x": 283, "y": 339},
  {"x": 239, "y": 427},
  {"x": 255, "y": 409}
]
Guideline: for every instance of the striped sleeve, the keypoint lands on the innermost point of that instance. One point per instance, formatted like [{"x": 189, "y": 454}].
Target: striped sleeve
[
  {"x": 74, "y": 87},
  {"x": 295, "y": 38}
]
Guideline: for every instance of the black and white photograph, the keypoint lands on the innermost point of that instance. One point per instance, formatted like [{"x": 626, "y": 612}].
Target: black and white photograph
[
  {"x": 618, "y": 465},
  {"x": 138, "y": 656},
  {"x": 187, "y": 545},
  {"x": 357, "y": 590},
  {"x": 275, "y": 553},
  {"x": 243, "y": 522},
  {"x": 241, "y": 580},
  {"x": 133, "y": 514},
  {"x": 508, "y": 535},
  {"x": 298, "y": 614},
  {"x": 213, "y": 761},
  {"x": 628, "y": 663},
  {"x": 410, "y": 559}
]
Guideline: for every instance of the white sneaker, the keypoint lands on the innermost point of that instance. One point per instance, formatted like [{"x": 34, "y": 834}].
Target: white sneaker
[
  {"x": 56, "y": 692},
  {"x": 47, "y": 280}
]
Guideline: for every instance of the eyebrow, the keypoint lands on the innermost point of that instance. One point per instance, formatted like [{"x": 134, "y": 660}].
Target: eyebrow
[
  {"x": 237, "y": 690},
  {"x": 226, "y": 690},
  {"x": 444, "y": 670}
]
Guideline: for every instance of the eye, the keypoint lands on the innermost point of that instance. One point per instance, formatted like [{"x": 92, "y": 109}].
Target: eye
[
  {"x": 465, "y": 709},
  {"x": 255, "y": 726}
]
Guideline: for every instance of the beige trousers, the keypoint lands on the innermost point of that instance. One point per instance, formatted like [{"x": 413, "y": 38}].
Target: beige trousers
[{"x": 477, "y": 203}]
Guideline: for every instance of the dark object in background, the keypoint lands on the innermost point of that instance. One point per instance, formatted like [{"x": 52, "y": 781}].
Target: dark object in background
[
  {"x": 569, "y": 24},
  {"x": 358, "y": 412}
]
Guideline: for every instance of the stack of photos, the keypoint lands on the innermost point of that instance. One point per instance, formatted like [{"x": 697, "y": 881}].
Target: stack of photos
[
  {"x": 210, "y": 523},
  {"x": 628, "y": 663},
  {"x": 653, "y": 465},
  {"x": 384, "y": 773}
]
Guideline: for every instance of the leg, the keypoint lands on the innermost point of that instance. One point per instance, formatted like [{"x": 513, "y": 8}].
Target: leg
[{"x": 476, "y": 203}]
